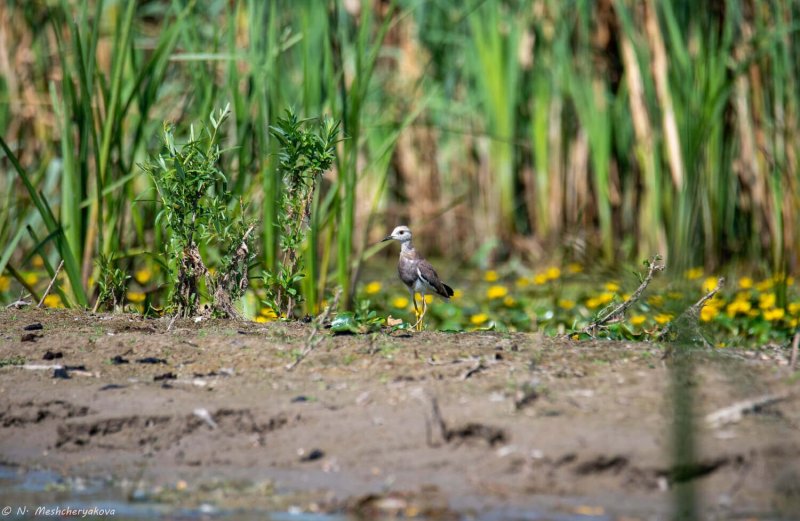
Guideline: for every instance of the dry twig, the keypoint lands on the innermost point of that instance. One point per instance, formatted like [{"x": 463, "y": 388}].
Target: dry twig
[
  {"x": 734, "y": 413},
  {"x": 795, "y": 343},
  {"x": 619, "y": 312},
  {"x": 50, "y": 286},
  {"x": 694, "y": 309},
  {"x": 312, "y": 340}
]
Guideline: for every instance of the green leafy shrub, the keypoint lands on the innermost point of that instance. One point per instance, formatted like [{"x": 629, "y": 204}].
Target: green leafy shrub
[
  {"x": 305, "y": 154},
  {"x": 192, "y": 191}
]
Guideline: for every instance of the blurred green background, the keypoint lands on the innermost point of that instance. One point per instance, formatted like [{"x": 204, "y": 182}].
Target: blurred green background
[{"x": 513, "y": 132}]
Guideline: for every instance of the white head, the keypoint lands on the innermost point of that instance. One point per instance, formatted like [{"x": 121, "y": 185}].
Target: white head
[{"x": 401, "y": 234}]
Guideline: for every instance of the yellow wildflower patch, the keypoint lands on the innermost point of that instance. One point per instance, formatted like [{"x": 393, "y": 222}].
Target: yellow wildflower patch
[
  {"x": 662, "y": 318},
  {"x": 708, "y": 313},
  {"x": 794, "y": 308},
  {"x": 523, "y": 282},
  {"x": 552, "y": 273},
  {"x": 694, "y": 273},
  {"x": 136, "y": 297},
  {"x": 574, "y": 267},
  {"x": 5, "y": 283},
  {"x": 765, "y": 285},
  {"x": 491, "y": 276},
  {"x": 540, "y": 279},
  {"x": 30, "y": 278},
  {"x": 745, "y": 283},
  {"x": 738, "y": 307},
  {"x": 457, "y": 294},
  {"x": 655, "y": 300},
  {"x": 479, "y": 319},
  {"x": 566, "y": 303},
  {"x": 612, "y": 286},
  {"x": 400, "y": 302},
  {"x": 38, "y": 261},
  {"x": 638, "y": 320},
  {"x": 709, "y": 284},
  {"x": 53, "y": 301},
  {"x": 373, "y": 288},
  {"x": 766, "y": 300},
  {"x": 496, "y": 292},
  {"x": 143, "y": 276},
  {"x": 509, "y": 301},
  {"x": 774, "y": 315},
  {"x": 269, "y": 314}
]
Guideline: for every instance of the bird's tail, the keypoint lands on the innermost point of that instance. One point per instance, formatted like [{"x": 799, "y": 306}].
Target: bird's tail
[{"x": 448, "y": 290}]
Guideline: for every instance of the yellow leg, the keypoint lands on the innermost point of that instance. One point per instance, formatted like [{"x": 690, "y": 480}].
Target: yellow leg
[
  {"x": 421, "y": 317},
  {"x": 416, "y": 309}
]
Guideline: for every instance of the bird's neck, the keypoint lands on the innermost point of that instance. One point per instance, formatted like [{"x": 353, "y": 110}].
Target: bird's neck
[{"x": 406, "y": 247}]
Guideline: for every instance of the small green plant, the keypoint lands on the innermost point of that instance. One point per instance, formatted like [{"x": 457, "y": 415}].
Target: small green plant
[
  {"x": 305, "y": 154},
  {"x": 362, "y": 320},
  {"x": 12, "y": 360},
  {"x": 194, "y": 198},
  {"x": 112, "y": 284}
]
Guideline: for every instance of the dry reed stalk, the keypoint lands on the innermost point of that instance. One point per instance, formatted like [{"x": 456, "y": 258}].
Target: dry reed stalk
[{"x": 661, "y": 77}]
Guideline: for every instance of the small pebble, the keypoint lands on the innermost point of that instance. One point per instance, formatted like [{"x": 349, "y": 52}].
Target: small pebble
[
  {"x": 49, "y": 355},
  {"x": 33, "y": 327},
  {"x": 314, "y": 455}
]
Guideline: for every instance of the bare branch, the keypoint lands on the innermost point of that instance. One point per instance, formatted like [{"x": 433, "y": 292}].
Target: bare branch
[
  {"x": 693, "y": 309},
  {"x": 50, "y": 286},
  {"x": 619, "y": 312}
]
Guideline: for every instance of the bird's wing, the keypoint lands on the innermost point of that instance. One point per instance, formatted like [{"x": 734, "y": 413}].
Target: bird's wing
[{"x": 429, "y": 275}]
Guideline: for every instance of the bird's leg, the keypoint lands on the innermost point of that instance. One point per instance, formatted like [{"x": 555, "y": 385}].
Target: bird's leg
[
  {"x": 421, "y": 317},
  {"x": 416, "y": 309}
]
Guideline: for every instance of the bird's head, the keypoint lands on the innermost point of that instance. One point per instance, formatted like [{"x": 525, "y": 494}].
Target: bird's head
[{"x": 401, "y": 234}]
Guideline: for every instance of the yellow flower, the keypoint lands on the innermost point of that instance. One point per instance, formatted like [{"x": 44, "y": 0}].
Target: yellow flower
[
  {"x": 765, "y": 285},
  {"x": 143, "y": 276},
  {"x": 794, "y": 308},
  {"x": 553, "y": 273},
  {"x": 638, "y": 320},
  {"x": 269, "y": 314},
  {"x": 574, "y": 267},
  {"x": 773, "y": 314},
  {"x": 655, "y": 300},
  {"x": 745, "y": 283},
  {"x": 709, "y": 284},
  {"x": 663, "y": 318},
  {"x": 428, "y": 298},
  {"x": 790, "y": 281},
  {"x": 606, "y": 297},
  {"x": 30, "y": 278},
  {"x": 262, "y": 320},
  {"x": 491, "y": 276},
  {"x": 540, "y": 279},
  {"x": 612, "y": 287},
  {"x": 372, "y": 288},
  {"x": 766, "y": 300},
  {"x": 708, "y": 313},
  {"x": 566, "y": 303},
  {"x": 479, "y": 319},
  {"x": 738, "y": 306},
  {"x": 38, "y": 261},
  {"x": 400, "y": 302},
  {"x": 495, "y": 292},
  {"x": 457, "y": 294},
  {"x": 522, "y": 282},
  {"x": 53, "y": 301},
  {"x": 694, "y": 273},
  {"x": 509, "y": 301},
  {"x": 136, "y": 297},
  {"x": 5, "y": 282}
]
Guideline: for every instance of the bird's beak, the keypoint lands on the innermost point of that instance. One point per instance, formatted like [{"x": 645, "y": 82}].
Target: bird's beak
[{"x": 387, "y": 238}]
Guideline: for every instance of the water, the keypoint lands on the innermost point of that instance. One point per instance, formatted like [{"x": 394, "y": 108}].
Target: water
[{"x": 27, "y": 494}]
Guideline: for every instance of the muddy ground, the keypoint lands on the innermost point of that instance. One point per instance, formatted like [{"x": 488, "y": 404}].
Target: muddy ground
[{"x": 208, "y": 413}]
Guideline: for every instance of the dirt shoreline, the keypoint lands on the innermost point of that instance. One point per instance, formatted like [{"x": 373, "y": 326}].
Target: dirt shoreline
[{"x": 207, "y": 412}]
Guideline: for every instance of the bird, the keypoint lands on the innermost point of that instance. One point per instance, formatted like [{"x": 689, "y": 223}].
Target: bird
[{"x": 416, "y": 273}]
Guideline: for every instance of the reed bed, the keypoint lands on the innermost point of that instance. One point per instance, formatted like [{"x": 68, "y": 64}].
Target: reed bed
[{"x": 518, "y": 129}]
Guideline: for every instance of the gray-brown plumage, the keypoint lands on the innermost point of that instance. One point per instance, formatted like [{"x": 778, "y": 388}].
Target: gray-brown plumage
[{"x": 416, "y": 273}]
